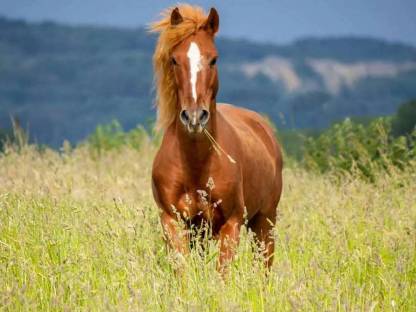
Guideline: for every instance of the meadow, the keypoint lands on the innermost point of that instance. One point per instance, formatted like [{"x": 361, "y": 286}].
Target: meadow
[{"x": 79, "y": 231}]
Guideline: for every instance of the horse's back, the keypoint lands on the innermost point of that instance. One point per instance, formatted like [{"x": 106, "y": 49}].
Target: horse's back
[{"x": 262, "y": 171}]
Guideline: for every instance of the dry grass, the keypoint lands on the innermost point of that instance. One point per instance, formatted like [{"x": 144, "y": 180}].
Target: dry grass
[{"x": 82, "y": 233}]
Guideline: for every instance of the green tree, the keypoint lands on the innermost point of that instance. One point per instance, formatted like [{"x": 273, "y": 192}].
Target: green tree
[{"x": 404, "y": 121}]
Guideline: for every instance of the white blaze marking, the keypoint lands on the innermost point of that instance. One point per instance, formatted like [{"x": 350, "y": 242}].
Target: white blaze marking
[{"x": 194, "y": 56}]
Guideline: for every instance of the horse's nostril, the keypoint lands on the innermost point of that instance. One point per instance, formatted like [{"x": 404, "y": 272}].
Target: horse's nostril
[
  {"x": 204, "y": 116},
  {"x": 184, "y": 116}
]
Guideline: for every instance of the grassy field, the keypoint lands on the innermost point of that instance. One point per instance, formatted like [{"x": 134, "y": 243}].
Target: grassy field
[{"x": 81, "y": 232}]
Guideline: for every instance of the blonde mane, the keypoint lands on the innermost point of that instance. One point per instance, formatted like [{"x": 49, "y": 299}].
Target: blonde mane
[{"x": 169, "y": 36}]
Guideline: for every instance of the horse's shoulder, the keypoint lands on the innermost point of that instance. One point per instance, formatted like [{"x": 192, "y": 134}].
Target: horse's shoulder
[
  {"x": 249, "y": 122},
  {"x": 240, "y": 112},
  {"x": 245, "y": 117},
  {"x": 161, "y": 162}
]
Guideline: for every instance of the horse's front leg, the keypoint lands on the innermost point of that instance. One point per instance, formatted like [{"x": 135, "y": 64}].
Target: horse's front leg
[
  {"x": 229, "y": 237},
  {"x": 175, "y": 235}
]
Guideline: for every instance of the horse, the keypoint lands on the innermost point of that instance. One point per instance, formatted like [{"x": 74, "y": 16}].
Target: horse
[{"x": 217, "y": 163}]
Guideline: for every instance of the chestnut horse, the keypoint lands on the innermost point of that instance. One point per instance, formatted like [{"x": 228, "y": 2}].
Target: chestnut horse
[{"x": 217, "y": 163}]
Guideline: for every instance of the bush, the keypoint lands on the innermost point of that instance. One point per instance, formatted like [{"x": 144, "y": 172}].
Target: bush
[
  {"x": 350, "y": 147},
  {"x": 365, "y": 148},
  {"x": 404, "y": 122},
  {"x": 112, "y": 136},
  {"x": 293, "y": 142}
]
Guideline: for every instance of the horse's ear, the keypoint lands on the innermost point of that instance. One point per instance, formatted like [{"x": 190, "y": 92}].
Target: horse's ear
[
  {"x": 213, "y": 22},
  {"x": 175, "y": 17}
]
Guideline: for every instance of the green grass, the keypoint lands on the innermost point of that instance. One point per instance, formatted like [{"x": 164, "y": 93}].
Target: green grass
[{"x": 81, "y": 232}]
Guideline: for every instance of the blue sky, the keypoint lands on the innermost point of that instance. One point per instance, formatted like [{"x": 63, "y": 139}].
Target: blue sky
[{"x": 262, "y": 20}]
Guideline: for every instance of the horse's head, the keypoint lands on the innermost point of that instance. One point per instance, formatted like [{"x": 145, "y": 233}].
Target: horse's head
[{"x": 196, "y": 77}]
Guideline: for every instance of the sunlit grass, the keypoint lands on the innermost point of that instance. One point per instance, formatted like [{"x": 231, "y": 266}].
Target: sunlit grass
[{"x": 81, "y": 232}]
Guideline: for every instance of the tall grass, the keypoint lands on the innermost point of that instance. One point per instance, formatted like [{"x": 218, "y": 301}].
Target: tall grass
[{"x": 81, "y": 232}]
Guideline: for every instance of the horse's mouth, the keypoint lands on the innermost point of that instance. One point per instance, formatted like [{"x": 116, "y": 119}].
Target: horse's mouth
[{"x": 197, "y": 128}]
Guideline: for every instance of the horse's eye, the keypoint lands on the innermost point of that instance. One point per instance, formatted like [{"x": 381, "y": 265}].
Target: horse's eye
[
  {"x": 213, "y": 62},
  {"x": 174, "y": 61}
]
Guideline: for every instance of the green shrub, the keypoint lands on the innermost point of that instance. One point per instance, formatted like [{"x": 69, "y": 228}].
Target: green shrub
[
  {"x": 293, "y": 141},
  {"x": 112, "y": 136},
  {"x": 350, "y": 147},
  {"x": 404, "y": 122}
]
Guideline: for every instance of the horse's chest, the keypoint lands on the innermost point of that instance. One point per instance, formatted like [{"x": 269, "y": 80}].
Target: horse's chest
[{"x": 198, "y": 204}]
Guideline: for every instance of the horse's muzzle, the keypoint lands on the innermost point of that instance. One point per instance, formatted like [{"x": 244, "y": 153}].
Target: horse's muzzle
[{"x": 194, "y": 120}]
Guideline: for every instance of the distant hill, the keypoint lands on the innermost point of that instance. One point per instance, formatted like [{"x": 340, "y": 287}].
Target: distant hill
[{"x": 62, "y": 81}]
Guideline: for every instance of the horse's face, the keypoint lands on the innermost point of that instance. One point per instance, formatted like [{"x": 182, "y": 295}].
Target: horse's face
[{"x": 194, "y": 65}]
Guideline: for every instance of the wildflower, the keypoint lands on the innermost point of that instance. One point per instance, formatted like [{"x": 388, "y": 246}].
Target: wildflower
[
  {"x": 210, "y": 183},
  {"x": 188, "y": 199},
  {"x": 203, "y": 196},
  {"x": 217, "y": 203}
]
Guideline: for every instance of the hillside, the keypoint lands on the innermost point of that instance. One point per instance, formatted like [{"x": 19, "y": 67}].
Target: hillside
[{"x": 62, "y": 81}]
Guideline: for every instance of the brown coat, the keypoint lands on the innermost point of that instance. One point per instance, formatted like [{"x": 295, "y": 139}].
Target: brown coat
[{"x": 217, "y": 163}]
